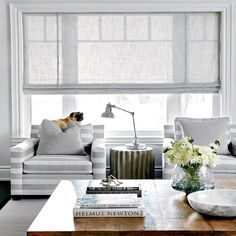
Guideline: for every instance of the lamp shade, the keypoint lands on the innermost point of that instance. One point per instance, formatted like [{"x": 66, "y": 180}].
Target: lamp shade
[{"x": 108, "y": 112}]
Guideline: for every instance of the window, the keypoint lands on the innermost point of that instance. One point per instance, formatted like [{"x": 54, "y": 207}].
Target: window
[
  {"x": 151, "y": 110},
  {"x": 171, "y": 61},
  {"x": 141, "y": 52}
]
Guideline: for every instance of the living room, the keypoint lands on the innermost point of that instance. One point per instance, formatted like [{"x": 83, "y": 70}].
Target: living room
[{"x": 146, "y": 62}]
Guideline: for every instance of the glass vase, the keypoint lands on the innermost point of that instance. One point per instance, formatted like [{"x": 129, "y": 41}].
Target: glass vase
[{"x": 191, "y": 178}]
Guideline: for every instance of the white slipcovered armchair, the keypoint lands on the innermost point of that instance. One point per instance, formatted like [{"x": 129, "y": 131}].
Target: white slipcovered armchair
[
  {"x": 33, "y": 174},
  {"x": 226, "y": 164}
]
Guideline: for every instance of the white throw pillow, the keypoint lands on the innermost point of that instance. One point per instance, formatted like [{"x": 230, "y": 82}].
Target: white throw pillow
[
  {"x": 86, "y": 132},
  {"x": 54, "y": 141},
  {"x": 205, "y": 131}
]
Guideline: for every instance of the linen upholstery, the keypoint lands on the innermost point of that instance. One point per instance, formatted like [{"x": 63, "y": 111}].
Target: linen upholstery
[
  {"x": 226, "y": 164},
  {"x": 178, "y": 134},
  {"x": 44, "y": 184},
  {"x": 54, "y": 141},
  {"x": 206, "y": 131},
  {"x": 46, "y": 164},
  {"x": 86, "y": 132}
]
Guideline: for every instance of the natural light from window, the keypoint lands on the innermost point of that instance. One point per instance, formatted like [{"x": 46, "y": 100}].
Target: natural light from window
[{"x": 150, "y": 109}]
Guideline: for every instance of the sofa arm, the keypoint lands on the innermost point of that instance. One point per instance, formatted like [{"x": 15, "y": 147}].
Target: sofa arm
[
  {"x": 19, "y": 154},
  {"x": 167, "y": 169},
  {"x": 98, "y": 158},
  {"x": 23, "y": 151}
]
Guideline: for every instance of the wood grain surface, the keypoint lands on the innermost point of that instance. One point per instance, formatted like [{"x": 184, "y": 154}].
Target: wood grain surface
[{"x": 167, "y": 213}]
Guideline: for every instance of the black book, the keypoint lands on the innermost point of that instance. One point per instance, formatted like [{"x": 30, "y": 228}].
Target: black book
[
  {"x": 95, "y": 185},
  {"x": 138, "y": 192},
  {"x": 127, "y": 187}
]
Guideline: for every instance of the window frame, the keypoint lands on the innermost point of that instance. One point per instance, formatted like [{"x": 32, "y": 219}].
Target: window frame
[{"x": 20, "y": 103}]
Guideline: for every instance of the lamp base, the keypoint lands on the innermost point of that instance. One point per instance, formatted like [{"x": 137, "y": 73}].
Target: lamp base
[{"x": 138, "y": 146}]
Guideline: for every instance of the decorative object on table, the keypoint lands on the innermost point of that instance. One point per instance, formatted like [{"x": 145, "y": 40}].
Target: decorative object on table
[
  {"x": 109, "y": 114},
  {"x": 215, "y": 202},
  {"x": 127, "y": 187},
  {"x": 193, "y": 165},
  {"x": 132, "y": 164},
  {"x": 110, "y": 181}
]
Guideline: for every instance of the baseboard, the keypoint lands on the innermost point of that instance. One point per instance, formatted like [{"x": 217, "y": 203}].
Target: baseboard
[{"x": 4, "y": 173}]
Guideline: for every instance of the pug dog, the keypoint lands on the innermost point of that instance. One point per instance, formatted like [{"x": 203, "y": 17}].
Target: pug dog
[{"x": 76, "y": 117}]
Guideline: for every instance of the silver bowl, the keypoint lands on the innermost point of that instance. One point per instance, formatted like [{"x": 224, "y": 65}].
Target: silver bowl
[{"x": 215, "y": 202}]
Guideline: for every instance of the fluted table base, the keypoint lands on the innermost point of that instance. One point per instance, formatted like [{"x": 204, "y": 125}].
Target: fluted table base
[{"x": 132, "y": 164}]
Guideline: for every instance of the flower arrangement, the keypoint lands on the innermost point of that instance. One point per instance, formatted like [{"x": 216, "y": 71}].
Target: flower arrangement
[
  {"x": 184, "y": 152},
  {"x": 189, "y": 159}
]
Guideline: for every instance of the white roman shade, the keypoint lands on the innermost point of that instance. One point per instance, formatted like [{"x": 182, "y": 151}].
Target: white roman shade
[{"x": 121, "y": 52}]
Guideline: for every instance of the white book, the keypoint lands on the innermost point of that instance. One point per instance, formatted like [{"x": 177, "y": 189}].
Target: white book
[
  {"x": 111, "y": 212},
  {"x": 95, "y": 201}
]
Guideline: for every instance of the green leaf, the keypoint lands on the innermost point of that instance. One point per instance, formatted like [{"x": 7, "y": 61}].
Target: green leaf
[{"x": 217, "y": 142}]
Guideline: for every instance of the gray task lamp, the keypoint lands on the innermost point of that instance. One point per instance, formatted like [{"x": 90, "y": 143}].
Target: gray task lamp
[{"x": 109, "y": 114}]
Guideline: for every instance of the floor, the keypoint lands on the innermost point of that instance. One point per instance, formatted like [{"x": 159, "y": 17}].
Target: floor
[
  {"x": 17, "y": 216},
  {"x": 4, "y": 193}
]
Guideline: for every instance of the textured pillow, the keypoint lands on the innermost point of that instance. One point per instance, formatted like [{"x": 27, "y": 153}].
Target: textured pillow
[
  {"x": 86, "y": 132},
  {"x": 54, "y": 141},
  {"x": 206, "y": 131}
]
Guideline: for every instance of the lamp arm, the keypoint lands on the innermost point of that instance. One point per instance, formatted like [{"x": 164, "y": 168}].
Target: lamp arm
[
  {"x": 132, "y": 113},
  {"x": 114, "y": 106}
]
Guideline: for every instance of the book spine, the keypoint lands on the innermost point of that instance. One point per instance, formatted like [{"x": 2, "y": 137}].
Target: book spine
[
  {"x": 111, "y": 188},
  {"x": 138, "y": 192},
  {"x": 126, "y": 212},
  {"x": 93, "y": 206}
]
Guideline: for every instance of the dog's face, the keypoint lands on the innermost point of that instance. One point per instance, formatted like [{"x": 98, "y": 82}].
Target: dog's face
[{"x": 77, "y": 116}]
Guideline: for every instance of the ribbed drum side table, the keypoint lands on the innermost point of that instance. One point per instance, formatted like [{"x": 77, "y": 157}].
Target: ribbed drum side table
[{"x": 132, "y": 164}]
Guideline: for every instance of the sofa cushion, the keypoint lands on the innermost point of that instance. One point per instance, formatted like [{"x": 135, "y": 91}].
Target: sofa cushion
[
  {"x": 225, "y": 164},
  {"x": 54, "y": 141},
  {"x": 58, "y": 164},
  {"x": 206, "y": 130}
]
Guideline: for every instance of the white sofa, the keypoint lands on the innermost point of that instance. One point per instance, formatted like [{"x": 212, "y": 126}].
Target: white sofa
[
  {"x": 33, "y": 174},
  {"x": 226, "y": 164}
]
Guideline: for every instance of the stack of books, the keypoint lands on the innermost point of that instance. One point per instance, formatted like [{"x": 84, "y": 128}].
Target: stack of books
[{"x": 110, "y": 201}]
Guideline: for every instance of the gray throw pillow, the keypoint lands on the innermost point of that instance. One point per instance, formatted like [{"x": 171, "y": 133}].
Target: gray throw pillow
[
  {"x": 206, "y": 131},
  {"x": 54, "y": 141},
  {"x": 86, "y": 132}
]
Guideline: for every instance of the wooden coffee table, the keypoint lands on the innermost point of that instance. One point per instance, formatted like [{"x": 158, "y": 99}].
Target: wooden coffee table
[{"x": 167, "y": 213}]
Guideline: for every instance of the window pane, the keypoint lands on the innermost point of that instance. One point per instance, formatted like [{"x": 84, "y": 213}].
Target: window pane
[
  {"x": 42, "y": 63},
  {"x": 132, "y": 62},
  {"x": 207, "y": 26},
  {"x": 88, "y": 27},
  {"x": 150, "y": 111},
  {"x": 197, "y": 105},
  {"x": 203, "y": 61},
  {"x": 45, "y": 107},
  {"x": 112, "y": 27},
  {"x": 137, "y": 27}
]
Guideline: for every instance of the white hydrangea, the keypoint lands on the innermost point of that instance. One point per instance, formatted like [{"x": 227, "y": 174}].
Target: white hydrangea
[{"x": 184, "y": 152}]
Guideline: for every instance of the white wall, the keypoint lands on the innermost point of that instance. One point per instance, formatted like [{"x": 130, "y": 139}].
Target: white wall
[
  {"x": 5, "y": 110},
  {"x": 5, "y": 97}
]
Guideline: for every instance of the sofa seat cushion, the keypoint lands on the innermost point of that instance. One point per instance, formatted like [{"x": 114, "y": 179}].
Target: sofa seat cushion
[
  {"x": 225, "y": 164},
  {"x": 58, "y": 164}
]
